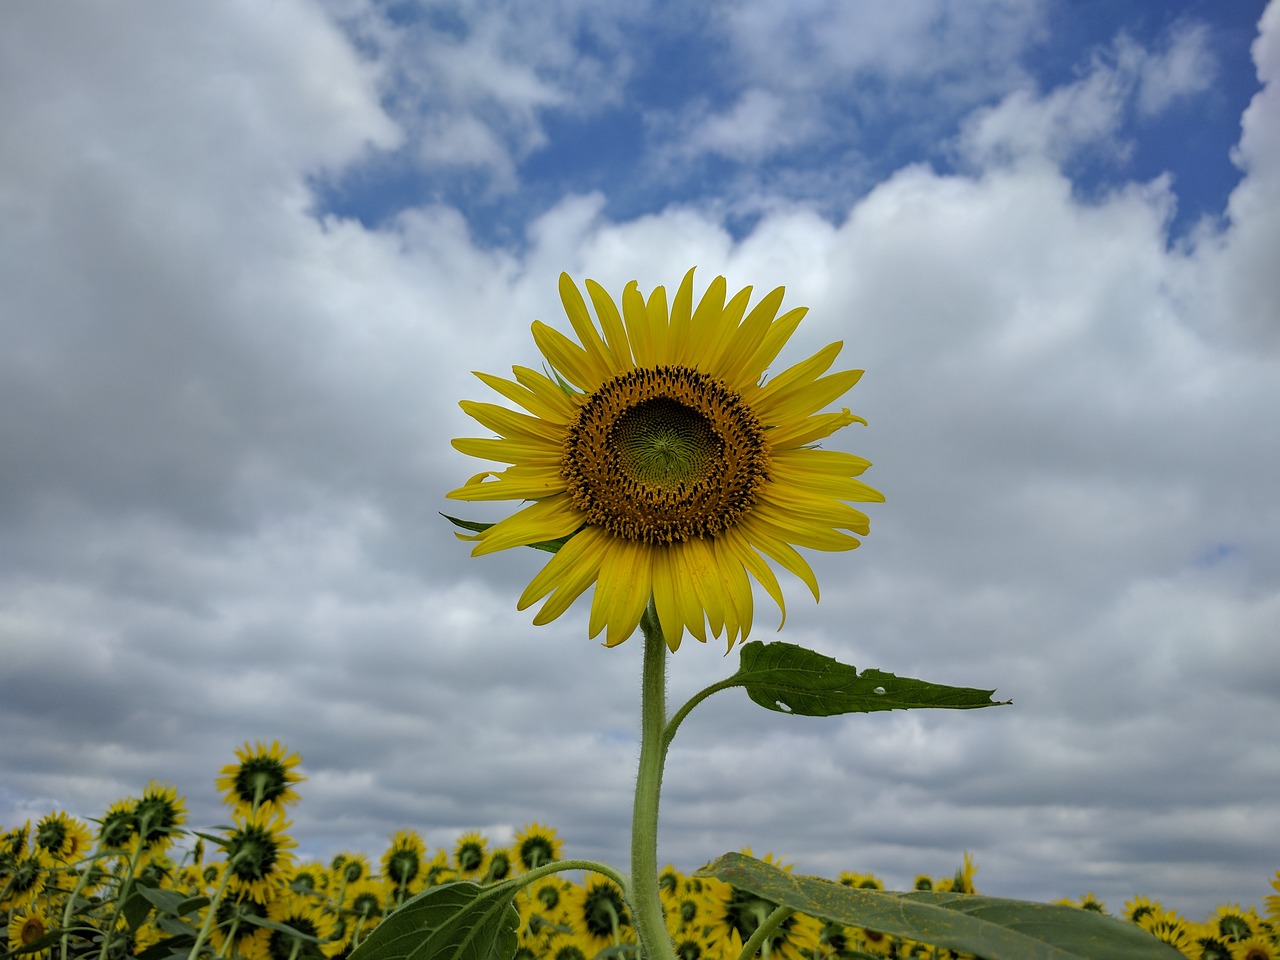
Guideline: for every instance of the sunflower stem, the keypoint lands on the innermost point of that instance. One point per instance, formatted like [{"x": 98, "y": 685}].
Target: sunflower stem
[{"x": 655, "y": 944}]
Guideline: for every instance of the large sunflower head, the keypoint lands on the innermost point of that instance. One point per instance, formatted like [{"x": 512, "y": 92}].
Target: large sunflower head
[{"x": 668, "y": 465}]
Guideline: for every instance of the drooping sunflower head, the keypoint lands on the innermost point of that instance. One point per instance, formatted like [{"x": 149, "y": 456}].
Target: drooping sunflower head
[
  {"x": 470, "y": 854},
  {"x": 259, "y": 854},
  {"x": 402, "y": 863},
  {"x": 159, "y": 813},
  {"x": 537, "y": 845},
  {"x": 664, "y": 465},
  {"x": 264, "y": 777}
]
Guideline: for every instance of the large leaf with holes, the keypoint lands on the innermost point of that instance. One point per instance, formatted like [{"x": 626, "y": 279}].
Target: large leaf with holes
[
  {"x": 455, "y": 921},
  {"x": 791, "y": 679},
  {"x": 990, "y": 927}
]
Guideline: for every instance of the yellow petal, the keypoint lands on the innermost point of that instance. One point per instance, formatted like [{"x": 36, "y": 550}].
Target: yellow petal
[
  {"x": 775, "y": 339},
  {"x": 783, "y": 406},
  {"x": 678, "y": 328},
  {"x": 666, "y": 599},
  {"x": 745, "y": 340},
  {"x": 509, "y": 423},
  {"x": 622, "y": 591},
  {"x": 640, "y": 331},
  {"x": 810, "y": 429},
  {"x": 531, "y": 400},
  {"x": 509, "y": 451},
  {"x": 615, "y": 334},
  {"x": 547, "y": 519},
  {"x": 571, "y": 570},
  {"x": 767, "y": 542},
  {"x": 567, "y": 357},
  {"x": 754, "y": 564},
  {"x": 575, "y": 309}
]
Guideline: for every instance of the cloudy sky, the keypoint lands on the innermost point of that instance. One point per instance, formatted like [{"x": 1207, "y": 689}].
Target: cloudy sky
[{"x": 251, "y": 252}]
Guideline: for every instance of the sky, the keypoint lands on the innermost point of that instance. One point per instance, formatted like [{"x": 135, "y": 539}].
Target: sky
[{"x": 252, "y": 252}]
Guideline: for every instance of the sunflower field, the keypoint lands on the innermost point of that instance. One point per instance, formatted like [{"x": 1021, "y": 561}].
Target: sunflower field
[{"x": 139, "y": 883}]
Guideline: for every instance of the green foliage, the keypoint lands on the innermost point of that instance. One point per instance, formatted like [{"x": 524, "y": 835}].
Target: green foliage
[
  {"x": 991, "y": 927},
  {"x": 791, "y": 679},
  {"x": 456, "y": 921}
]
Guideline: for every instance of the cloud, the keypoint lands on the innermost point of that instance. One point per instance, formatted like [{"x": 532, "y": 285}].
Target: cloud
[
  {"x": 227, "y": 425},
  {"x": 473, "y": 84},
  {"x": 1093, "y": 111}
]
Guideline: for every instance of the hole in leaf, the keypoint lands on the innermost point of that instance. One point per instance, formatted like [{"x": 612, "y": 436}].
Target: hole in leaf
[
  {"x": 878, "y": 691},
  {"x": 784, "y": 707}
]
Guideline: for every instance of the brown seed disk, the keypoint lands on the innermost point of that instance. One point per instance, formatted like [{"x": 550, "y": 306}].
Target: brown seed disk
[{"x": 664, "y": 454}]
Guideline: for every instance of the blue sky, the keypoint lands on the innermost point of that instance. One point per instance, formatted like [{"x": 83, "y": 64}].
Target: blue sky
[
  {"x": 863, "y": 124},
  {"x": 251, "y": 255}
]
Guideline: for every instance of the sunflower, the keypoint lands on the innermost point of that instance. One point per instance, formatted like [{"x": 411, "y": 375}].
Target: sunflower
[
  {"x": 118, "y": 826},
  {"x": 737, "y": 912},
  {"x": 27, "y": 875},
  {"x": 159, "y": 812},
  {"x": 1232, "y": 923},
  {"x": 1139, "y": 907},
  {"x": 1169, "y": 927},
  {"x": 264, "y": 777},
  {"x": 313, "y": 931},
  {"x": 471, "y": 855},
  {"x": 65, "y": 838},
  {"x": 348, "y": 867},
  {"x": 28, "y": 925},
  {"x": 664, "y": 461},
  {"x": 234, "y": 928},
  {"x": 537, "y": 846},
  {"x": 1255, "y": 948},
  {"x": 500, "y": 865},
  {"x": 402, "y": 863},
  {"x": 259, "y": 856},
  {"x": 598, "y": 912}
]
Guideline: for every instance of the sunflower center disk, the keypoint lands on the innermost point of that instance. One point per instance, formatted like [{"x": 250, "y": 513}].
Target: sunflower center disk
[{"x": 664, "y": 454}]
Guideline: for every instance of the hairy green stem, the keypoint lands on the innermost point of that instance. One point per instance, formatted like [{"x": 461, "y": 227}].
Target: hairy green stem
[
  {"x": 764, "y": 932},
  {"x": 655, "y": 944},
  {"x": 211, "y": 912}
]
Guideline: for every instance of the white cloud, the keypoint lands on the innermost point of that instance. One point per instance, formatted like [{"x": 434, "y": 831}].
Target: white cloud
[
  {"x": 1242, "y": 282},
  {"x": 1091, "y": 113},
  {"x": 227, "y": 429},
  {"x": 472, "y": 83}
]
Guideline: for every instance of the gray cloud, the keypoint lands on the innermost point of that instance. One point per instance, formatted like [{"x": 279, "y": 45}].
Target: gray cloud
[{"x": 226, "y": 435}]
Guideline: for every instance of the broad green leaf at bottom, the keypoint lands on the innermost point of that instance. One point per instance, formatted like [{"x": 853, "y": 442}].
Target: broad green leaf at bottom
[
  {"x": 991, "y": 927},
  {"x": 455, "y": 921}
]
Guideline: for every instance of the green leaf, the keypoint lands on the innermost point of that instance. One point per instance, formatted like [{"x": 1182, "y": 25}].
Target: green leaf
[
  {"x": 791, "y": 679},
  {"x": 169, "y": 902},
  {"x": 551, "y": 546},
  {"x": 136, "y": 905},
  {"x": 455, "y": 921},
  {"x": 991, "y": 927}
]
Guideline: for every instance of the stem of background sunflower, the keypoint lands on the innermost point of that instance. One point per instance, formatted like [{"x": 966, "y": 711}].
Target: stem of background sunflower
[{"x": 655, "y": 944}]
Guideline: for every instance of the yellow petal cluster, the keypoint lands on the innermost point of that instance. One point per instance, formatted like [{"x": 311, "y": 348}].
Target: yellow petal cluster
[{"x": 677, "y": 469}]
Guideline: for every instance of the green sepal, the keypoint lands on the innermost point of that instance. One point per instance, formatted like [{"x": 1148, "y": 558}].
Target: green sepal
[
  {"x": 990, "y": 927},
  {"x": 790, "y": 679},
  {"x": 551, "y": 546},
  {"x": 454, "y": 921}
]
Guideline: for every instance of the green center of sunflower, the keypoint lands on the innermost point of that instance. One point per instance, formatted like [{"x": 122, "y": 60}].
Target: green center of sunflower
[{"x": 664, "y": 454}]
